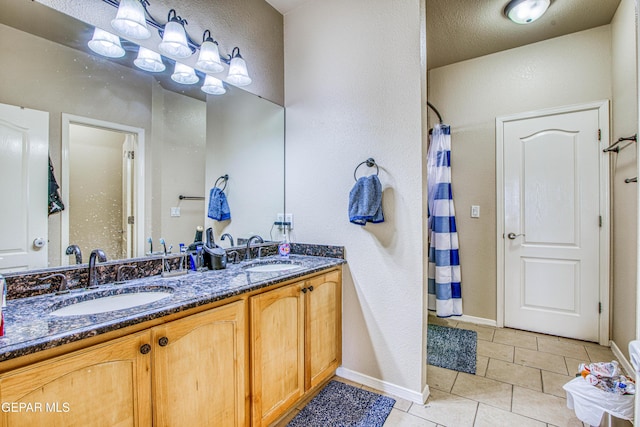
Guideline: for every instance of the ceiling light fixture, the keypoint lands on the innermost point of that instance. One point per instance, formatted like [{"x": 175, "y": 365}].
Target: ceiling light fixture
[
  {"x": 130, "y": 19},
  {"x": 133, "y": 21},
  {"x": 209, "y": 59},
  {"x": 174, "y": 40},
  {"x": 238, "y": 74},
  {"x": 106, "y": 44},
  {"x": 149, "y": 60},
  {"x": 184, "y": 74},
  {"x": 213, "y": 86},
  {"x": 526, "y": 11}
]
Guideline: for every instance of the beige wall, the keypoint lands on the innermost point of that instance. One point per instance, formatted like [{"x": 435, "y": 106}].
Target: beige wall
[
  {"x": 623, "y": 165},
  {"x": 470, "y": 95},
  {"x": 354, "y": 91},
  {"x": 252, "y": 25}
]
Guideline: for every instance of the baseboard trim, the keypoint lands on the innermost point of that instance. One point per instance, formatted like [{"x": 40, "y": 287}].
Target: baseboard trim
[
  {"x": 626, "y": 365},
  {"x": 476, "y": 320},
  {"x": 384, "y": 386}
]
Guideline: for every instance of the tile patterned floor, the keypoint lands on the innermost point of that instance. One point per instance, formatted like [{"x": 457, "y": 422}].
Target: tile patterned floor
[{"x": 518, "y": 382}]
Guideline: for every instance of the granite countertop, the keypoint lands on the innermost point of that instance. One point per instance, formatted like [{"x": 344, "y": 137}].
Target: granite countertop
[{"x": 30, "y": 327}]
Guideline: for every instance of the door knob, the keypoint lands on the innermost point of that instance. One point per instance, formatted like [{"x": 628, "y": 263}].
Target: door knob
[
  {"x": 513, "y": 235},
  {"x": 39, "y": 242}
]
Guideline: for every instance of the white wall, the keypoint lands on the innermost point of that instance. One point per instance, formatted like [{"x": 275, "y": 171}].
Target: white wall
[
  {"x": 566, "y": 70},
  {"x": 623, "y": 165},
  {"x": 353, "y": 90}
]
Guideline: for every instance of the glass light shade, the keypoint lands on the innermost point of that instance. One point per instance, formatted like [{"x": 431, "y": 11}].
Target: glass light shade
[
  {"x": 131, "y": 21},
  {"x": 174, "y": 41},
  {"x": 213, "y": 86},
  {"x": 106, "y": 44},
  {"x": 184, "y": 74},
  {"x": 238, "y": 74},
  {"x": 149, "y": 60},
  {"x": 209, "y": 58},
  {"x": 526, "y": 11}
]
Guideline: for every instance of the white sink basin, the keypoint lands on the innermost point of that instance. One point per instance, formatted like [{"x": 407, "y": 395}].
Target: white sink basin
[
  {"x": 271, "y": 267},
  {"x": 110, "y": 303}
]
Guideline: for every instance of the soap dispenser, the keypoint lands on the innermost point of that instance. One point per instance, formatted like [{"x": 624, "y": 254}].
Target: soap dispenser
[{"x": 284, "y": 248}]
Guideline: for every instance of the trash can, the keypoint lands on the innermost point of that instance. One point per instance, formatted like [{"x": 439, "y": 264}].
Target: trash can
[{"x": 597, "y": 407}]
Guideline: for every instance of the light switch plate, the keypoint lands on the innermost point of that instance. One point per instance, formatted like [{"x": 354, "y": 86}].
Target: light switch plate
[
  {"x": 475, "y": 211},
  {"x": 175, "y": 211}
]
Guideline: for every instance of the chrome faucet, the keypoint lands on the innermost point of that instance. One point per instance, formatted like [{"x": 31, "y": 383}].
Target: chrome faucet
[
  {"x": 247, "y": 255},
  {"x": 225, "y": 235},
  {"x": 75, "y": 250},
  {"x": 99, "y": 254}
]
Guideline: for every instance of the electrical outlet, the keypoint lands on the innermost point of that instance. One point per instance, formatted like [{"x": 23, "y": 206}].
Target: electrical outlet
[
  {"x": 280, "y": 217},
  {"x": 175, "y": 211},
  {"x": 289, "y": 218}
]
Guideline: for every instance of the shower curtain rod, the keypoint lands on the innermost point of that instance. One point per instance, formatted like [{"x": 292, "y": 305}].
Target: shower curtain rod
[{"x": 435, "y": 110}]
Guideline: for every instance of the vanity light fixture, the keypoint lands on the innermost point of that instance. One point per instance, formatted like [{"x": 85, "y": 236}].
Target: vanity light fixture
[
  {"x": 149, "y": 60},
  {"x": 130, "y": 19},
  {"x": 106, "y": 44},
  {"x": 174, "y": 41},
  {"x": 213, "y": 86},
  {"x": 238, "y": 74},
  {"x": 184, "y": 74},
  {"x": 209, "y": 58},
  {"x": 526, "y": 11}
]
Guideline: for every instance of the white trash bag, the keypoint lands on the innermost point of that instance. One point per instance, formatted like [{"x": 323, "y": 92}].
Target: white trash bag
[{"x": 590, "y": 403}]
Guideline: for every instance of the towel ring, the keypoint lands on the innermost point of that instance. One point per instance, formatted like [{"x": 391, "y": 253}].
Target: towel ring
[
  {"x": 369, "y": 162},
  {"x": 224, "y": 179}
]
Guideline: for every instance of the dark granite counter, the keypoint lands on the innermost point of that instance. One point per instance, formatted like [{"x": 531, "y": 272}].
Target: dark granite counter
[{"x": 30, "y": 327}]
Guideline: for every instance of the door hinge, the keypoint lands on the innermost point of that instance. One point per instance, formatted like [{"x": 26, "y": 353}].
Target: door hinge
[
  {"x": 130, "y": 155},
  {"x": 600, "y": 220},
  {"x": 131, "y": 220},
  {"x": 599, "y": 134},
  {"x": 599, "y": 308}
]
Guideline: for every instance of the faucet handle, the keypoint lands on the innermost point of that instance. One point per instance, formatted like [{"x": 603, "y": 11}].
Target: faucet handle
[
  {"x": 62, "y": 286},
  {"x": 121, "y": 268}
]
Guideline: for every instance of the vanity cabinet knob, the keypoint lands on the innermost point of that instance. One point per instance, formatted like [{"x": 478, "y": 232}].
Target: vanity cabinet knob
[
  {"x": 145, "y": 349},
  {"x": 304, "y": 290},
  {"x": 311, "y": 288},
  {"x": 163, "y": 341}
]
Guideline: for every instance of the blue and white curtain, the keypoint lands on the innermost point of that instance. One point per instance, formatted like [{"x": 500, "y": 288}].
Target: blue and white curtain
[{"x": 445, "y": 295}]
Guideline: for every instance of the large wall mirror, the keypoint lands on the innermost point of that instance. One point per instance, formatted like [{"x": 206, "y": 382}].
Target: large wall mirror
[{"x": 125, "y": 145}]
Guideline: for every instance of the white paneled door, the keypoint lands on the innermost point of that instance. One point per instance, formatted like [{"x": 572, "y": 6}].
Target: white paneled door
[
  {"x": 24, "y": 144},
  {"x": 552, "y": 222}
]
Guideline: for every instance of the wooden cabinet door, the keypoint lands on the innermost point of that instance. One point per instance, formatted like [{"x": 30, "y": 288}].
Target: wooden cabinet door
[
  {"x": 324, "y": 327},
  {"x": 200, "y": 368},
  {"x": 277, "y": 337},
  {"x": 106, "y": 385}
]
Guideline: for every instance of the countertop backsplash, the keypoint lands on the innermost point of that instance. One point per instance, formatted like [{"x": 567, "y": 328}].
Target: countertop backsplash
[{"x": 22, "y": 285}]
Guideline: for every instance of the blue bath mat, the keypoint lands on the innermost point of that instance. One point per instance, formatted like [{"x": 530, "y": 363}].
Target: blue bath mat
[
  {"x": 342, "y": 405},
  {"x": 452, "y": 348}
]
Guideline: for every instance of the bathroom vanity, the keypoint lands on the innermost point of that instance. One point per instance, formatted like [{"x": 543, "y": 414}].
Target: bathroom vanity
[{"x": 234, "y": 347}]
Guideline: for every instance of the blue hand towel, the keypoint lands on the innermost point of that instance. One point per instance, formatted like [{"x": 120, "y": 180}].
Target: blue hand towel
[
  {"x": 365, "y": 201},
  {"x": 218, "y": 205}
]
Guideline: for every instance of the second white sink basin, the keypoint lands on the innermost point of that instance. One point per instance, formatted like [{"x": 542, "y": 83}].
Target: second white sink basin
[
  {"x": 110, "y": 303},
  {"x": 271, "y": 267}
]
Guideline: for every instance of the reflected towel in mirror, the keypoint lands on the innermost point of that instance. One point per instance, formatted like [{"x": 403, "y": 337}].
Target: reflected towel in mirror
[
  {"x": 218, "y": 205},
  {"x": 365, "y": 201}
]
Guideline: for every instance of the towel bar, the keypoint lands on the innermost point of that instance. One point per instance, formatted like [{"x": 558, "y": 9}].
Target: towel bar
[
  {"x": 634, "y": 179},
  {"x": 614, "y": 146},
  {"x": 369, "y": 162},
  {"x": 181, "y": 197}
]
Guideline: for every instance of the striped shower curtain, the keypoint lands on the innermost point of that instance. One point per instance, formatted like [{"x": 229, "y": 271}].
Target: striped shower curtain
[{"x": 445, "y": 295}]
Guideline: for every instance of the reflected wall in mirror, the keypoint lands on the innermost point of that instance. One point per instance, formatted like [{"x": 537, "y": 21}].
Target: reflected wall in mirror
[{"x": 182, "y": 138}]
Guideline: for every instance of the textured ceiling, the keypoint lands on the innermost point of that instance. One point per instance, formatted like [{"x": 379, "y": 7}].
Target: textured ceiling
[{"x": 458, "y": 30}]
